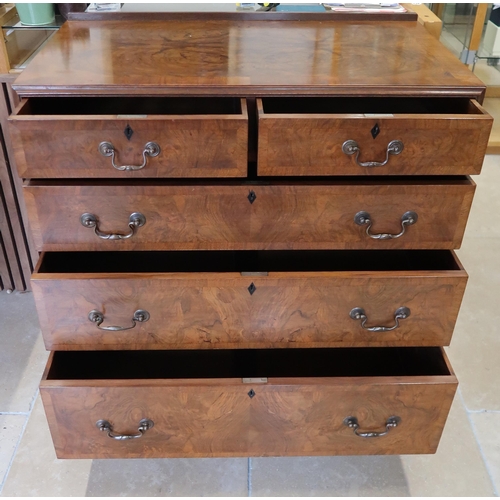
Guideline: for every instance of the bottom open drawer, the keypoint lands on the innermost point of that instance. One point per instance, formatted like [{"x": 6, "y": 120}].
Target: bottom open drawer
[{"x": 269, "y": 402}]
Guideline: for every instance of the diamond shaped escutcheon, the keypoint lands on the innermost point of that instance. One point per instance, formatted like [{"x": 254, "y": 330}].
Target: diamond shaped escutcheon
[
  {"x": 251, "y": 393},
  {"x": 375, "y": 130},
  {"x": 251, "y": 197},
  {"x": 128, "y": 132},
  {"x": 252, "y": 288}
]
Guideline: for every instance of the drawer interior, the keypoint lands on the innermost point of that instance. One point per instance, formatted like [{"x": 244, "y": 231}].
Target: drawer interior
[
  {"x": 132, "y": 106},
  {"x": 243, "y": 363},
  {"x": 368, "y": 105},
  {"x": 248, "y": 261}
]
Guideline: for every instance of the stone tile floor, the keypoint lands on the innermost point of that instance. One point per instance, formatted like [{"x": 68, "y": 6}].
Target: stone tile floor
[{"x": 467, "y": 462}]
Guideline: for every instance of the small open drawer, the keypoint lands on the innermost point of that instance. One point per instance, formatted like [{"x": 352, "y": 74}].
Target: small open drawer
[
  {"x": 224, "y": 403},
  {"x": 123, "y": 137},
  {"x": 371, "y": 136},
  {"x": 238, "y": 299}
]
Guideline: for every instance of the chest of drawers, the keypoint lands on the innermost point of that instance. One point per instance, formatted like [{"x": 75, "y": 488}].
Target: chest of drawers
[{"x": 247, "y": 252}]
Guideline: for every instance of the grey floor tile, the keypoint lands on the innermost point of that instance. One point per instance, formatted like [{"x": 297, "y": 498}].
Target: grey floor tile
[
  {"x": 11, "y": 427},
  {"x": 482, "y": 221},
  {"x": 37, "y": 472},
  {"x": 22, "y": 353},
  {"x": 475, "y": 346},
  {"x": 328, "y": 476},
  {"x": 169, "y": 477},
  {"x": 487, "y": 427},
  {"x": 457, "y": 468}
]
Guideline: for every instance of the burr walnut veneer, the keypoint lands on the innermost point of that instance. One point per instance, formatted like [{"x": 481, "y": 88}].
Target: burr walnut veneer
[
  {"x": 284, "y": 214},
  {"x": 300, "y": 298},
  {"x": 246, "y": 234},
  {"x": 199, "y": 137},
  {"x": 200, "y": 406},
  {"x": 305, "y": 136}
]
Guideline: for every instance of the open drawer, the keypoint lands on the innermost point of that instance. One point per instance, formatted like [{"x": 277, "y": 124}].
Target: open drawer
[
  {"x": 223, "y": 403},
  {"x": 226, "y": 299},
  {"x": 124, "y": 137},
  {"x": 371, "y": 136}
]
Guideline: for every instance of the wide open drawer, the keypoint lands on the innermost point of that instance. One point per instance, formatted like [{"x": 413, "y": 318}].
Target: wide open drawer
[
  {"x": 195, "y": 300},
  {"x": 371, "y": 136},
  {"x": 131, "y": 137},
  {"x": 132, "y": 404},
  {"x": 165, "y": 215}
]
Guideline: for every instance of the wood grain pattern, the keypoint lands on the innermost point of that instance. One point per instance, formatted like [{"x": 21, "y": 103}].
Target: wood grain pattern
[
  {"x": 225, "y": 57},
  {"x": 61, "y": 146},
  {"x": 217, "y": 418},
  {"x": 311, "y": 144},
  {"x": 283, "y": 216},
  {"x": 243, "y": 16},
  {"x": 216, "y": 310}
]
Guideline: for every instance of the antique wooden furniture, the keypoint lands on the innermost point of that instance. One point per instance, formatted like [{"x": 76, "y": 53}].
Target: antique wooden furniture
[{"x": 246, "y": 233}]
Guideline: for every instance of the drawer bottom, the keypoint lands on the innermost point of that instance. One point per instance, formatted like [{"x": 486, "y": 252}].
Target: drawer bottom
[{"x": 235, "y": 403}]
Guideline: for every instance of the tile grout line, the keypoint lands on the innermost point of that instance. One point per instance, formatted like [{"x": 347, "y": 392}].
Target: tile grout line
[
  {"x": 481, "y": 411},
  {"x": 249, "y": 480},
  {"x": 474, "y": 433},
  {"x": 27, "y": 415}
]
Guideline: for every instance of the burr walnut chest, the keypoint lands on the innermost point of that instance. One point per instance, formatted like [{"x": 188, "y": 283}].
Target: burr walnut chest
[{"x": 246, "y": 234}]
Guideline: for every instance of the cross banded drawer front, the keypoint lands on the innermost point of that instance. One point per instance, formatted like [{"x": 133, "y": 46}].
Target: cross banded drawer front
[
  {"x": 269, "y": 402},
  {"x": 371, "y": 136},
  {"x": 131, "y": 138},
  {"x": 236, "y": 216},
  {"x": 246, "y": 299}
]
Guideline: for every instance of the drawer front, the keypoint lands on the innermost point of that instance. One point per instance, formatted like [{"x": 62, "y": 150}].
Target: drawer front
[
  {"x": 198, "y": 310},
  {"x": 249, "y": 217},
  {"x": 432, "y": 144},
  {"x": 228, "y": 417},
  {"x": 55, "y": 146}
]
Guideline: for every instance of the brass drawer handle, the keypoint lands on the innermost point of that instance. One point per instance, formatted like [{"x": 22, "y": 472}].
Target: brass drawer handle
[
  {"x": 135, "y": 221},
  {"x": 97, "y": 317},
  {"x": 351, "y": 147},
  {"x": 364, "y": 218},
  {"x": 144, "y": 425},
  {"x": 358, "y": 313},
  {"x": 352, "y": 423},
  {"x": 150, "y": 149}
]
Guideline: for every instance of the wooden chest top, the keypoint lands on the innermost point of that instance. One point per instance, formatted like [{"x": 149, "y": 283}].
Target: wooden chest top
[{"x": 246, "y": 58}]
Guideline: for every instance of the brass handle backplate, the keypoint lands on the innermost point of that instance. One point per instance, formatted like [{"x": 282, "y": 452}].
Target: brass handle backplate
[
  {"x": 351, "y": 147},
  {"x": 407, "y": 219},
  {"x": 135, "y": 221},
  {"x": 97, "y": 317},
  {"x": 151, "y": 149},
  {"x": 358, "y": 313},
  {"x": 144, "y": 425},
  {"x": 352, "y": 423}
]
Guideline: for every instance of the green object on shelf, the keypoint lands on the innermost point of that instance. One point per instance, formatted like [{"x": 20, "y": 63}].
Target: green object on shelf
[{"x": 35, "y": 14}]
